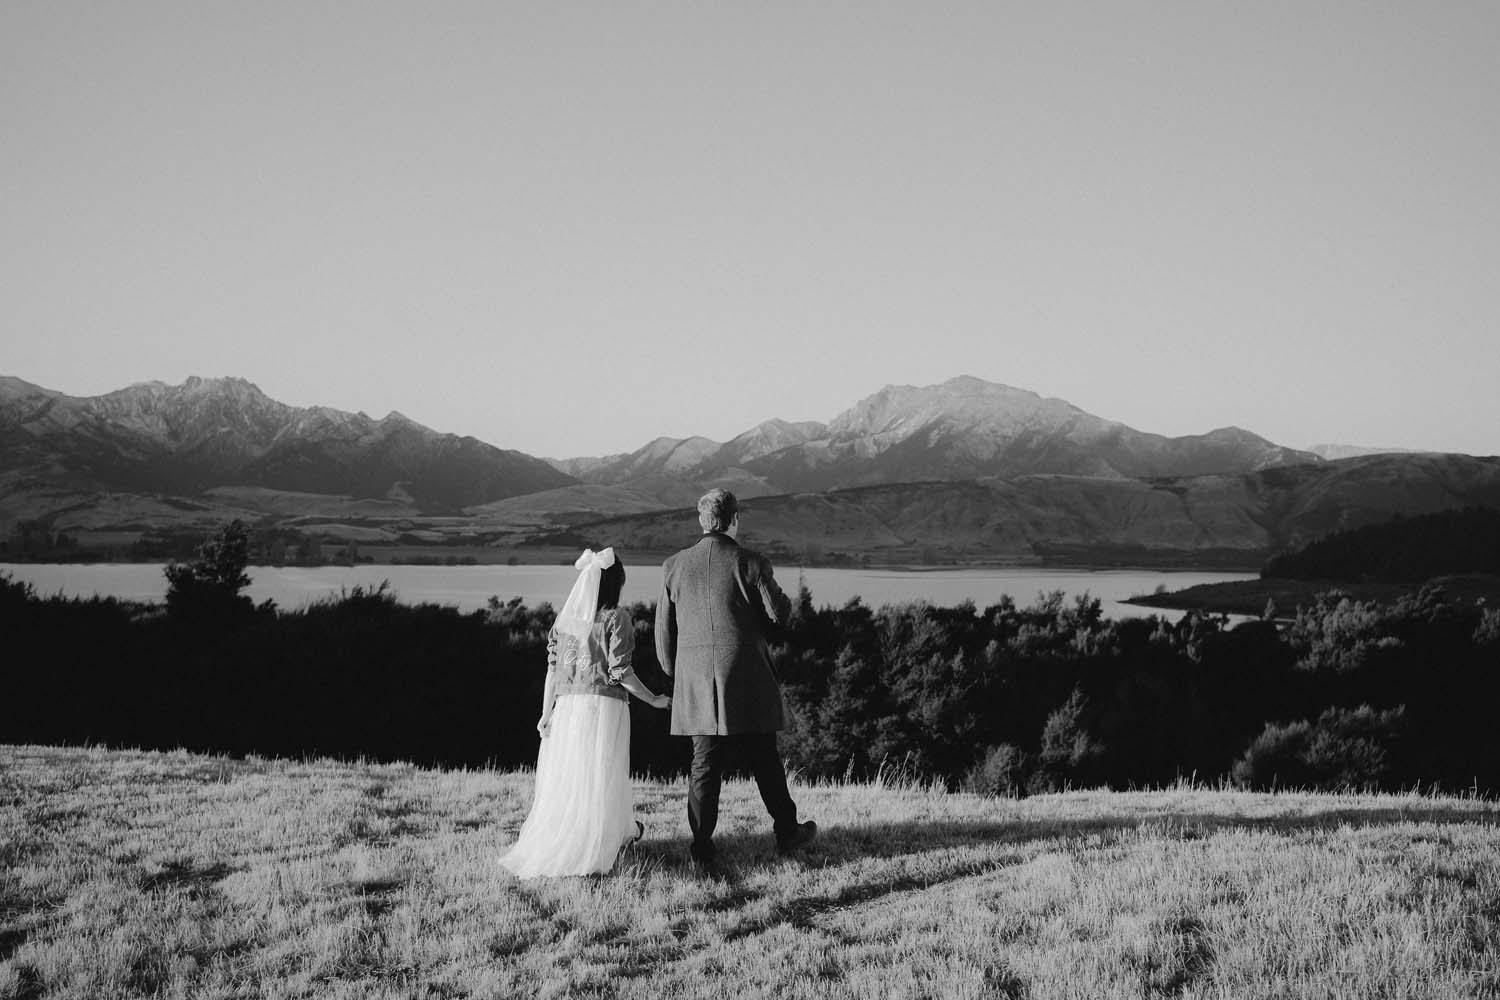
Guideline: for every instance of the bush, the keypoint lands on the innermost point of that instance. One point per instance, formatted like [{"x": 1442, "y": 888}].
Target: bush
[
  {"x": 1341, "y": 635},
  {"x": 15, "y": 594},
  {"x": 1276, "y": 756},
  {"x": 1002, "y": 771},
  {"x": 1487, "y": 633},
  {"x": 211, "y": 584},
  {"x": 1069, "y": 756},
  {"x": 1345, "y": 749}
]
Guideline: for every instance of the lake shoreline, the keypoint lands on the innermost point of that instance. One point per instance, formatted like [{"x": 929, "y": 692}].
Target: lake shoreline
[
  {"x": 1250, "y": 597},
  {"x": 642, "y": 557},
  {"x": 472, "y": 587}
]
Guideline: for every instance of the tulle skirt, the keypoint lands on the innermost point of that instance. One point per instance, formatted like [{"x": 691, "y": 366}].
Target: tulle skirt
[{"x": 583, "y": 808}]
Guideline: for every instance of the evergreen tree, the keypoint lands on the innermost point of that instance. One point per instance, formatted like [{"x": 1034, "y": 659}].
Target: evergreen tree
[
  {"x": 1068, "y": 756},
  {"x": 212, "y": 582}
]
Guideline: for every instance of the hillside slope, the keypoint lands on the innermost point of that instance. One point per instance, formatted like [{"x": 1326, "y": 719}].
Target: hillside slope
[
  {"x": 132, "y": 873},
  {"x": 1244, "y": 517}
]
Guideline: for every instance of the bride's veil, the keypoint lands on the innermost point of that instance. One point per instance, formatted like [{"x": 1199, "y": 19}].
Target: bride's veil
[{"x": 577, "y": 614}]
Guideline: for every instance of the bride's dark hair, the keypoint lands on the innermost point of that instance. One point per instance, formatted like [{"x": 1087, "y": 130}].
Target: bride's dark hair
[{"x": 611, "y": 582}]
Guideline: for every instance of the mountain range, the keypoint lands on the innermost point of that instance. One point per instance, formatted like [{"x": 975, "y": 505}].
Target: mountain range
[
  {"x": 964, "y": 470},
  {"x": 206, "y": 433},
  {"x": 965, "y": 428}
]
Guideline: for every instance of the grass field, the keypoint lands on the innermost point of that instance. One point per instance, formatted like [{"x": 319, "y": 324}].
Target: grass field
[{"x": 144, "y": 874}]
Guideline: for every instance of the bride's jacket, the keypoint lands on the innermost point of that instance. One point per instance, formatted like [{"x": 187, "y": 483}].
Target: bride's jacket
[{"x": 598, "y": 665}]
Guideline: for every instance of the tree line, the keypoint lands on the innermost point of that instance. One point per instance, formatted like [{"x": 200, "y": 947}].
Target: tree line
[
  {"x": 1402, "y": 550},
  {"x": 1007, "y": 699}
]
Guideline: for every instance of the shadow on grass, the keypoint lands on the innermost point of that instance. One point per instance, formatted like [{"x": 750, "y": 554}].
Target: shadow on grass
[
  {"x": 949, "y": 845},
  {"x": 380, "y": 820},
  {"x": 12, "y": 936},
  {"x": 24, "y": 915},
  {"x": 837, "y": 844},
  {"x": 378, "y": 896},
  {"x": 28, "y": 984},
  {"x": 195, "y": 880}
]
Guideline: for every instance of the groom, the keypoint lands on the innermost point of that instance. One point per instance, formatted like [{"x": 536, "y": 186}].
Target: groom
[{"x": 717, "y": 600}]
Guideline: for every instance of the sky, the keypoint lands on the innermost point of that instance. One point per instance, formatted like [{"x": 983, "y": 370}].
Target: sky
[{"x": 571, "y": 228}]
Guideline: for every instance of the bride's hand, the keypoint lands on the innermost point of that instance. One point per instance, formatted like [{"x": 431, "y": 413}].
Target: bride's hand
[
  {"x": 543, "y": 725},
  {"x": 662, "y": 701}
]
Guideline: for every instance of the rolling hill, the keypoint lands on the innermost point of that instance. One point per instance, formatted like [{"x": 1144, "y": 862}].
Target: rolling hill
[{"x": 1230, "y": 519}]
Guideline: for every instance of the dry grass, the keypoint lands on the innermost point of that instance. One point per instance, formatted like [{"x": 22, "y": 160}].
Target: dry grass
[{"x": 140, "y": 874}]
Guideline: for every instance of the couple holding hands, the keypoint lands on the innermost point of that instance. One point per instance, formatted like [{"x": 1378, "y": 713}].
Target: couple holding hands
[{"x": 716, "y": 602}]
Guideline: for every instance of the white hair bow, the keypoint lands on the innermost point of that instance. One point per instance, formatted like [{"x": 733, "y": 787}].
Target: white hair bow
[
  {"x": 577, "y": 615},
  {"x": 603, "y": 559}
]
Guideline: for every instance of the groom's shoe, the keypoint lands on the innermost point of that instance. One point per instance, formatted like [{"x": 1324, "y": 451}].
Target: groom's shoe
[
  {"x": 705, "y": 857},
  {"x": 798, "y": 837}
]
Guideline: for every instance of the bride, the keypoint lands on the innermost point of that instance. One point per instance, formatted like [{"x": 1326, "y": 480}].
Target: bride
[{"x": 582, "y": 808}]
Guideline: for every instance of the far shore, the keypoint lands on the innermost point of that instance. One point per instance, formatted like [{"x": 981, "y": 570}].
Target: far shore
[
  {"x": 1284, "y": 597},
  {"x": 479, "y": 556}
]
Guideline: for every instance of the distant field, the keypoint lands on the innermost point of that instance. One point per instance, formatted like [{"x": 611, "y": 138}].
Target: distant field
[
  {"x": 142, "y": 874},
  {"x": 485, "y": 555}
]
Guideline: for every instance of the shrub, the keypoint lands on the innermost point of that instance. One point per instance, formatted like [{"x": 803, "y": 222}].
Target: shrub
[
  {"x": 1345, "y": 749},
  {"x": 14, "y": 594},
  {"x": 1002, "y": 771},
  {"x": 1340, "y": 635},
  {"x": 211, "y": 583},
  {"x": 1487, "y": 632},
  {"x": 1069, "y": 756},
  {"x": 1276, "y": 756}
]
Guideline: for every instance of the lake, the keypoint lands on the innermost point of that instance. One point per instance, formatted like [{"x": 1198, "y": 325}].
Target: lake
[{"x": 470, "y": 587}]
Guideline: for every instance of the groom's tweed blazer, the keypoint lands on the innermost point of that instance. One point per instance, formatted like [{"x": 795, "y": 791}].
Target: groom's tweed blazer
[{"x": 717, "y": 599}]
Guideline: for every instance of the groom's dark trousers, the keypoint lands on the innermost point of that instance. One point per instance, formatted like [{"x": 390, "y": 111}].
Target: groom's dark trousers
[{"x": 712, "y": 756}]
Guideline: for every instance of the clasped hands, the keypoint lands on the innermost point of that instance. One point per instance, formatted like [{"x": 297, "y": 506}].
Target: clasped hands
[{"x": 544, "y": 724}]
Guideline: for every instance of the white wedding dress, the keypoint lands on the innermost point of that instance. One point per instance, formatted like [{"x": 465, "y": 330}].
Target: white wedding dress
[{"x": 583, "y": 808}]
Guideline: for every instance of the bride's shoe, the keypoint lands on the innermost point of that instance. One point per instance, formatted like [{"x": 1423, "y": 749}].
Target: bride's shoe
[{"x": 640, "y": 831}]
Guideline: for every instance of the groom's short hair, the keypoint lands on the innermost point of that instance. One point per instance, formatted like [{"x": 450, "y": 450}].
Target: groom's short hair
[{"x": 716, "y": 509}]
